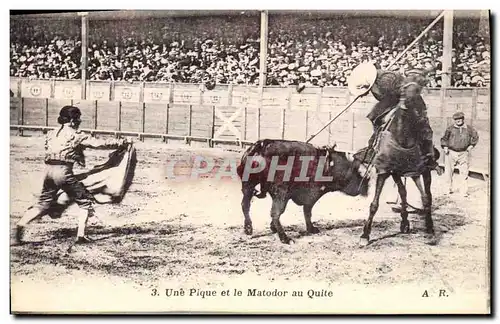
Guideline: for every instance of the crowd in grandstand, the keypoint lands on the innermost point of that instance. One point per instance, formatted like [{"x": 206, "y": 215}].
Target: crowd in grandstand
[{"x": 319, "y": 52}]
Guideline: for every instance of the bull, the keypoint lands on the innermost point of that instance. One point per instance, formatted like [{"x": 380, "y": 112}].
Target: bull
[{"x": 298, "y": 171}]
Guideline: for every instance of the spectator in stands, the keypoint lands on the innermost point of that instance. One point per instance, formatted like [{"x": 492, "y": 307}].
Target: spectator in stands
[{"x": 315, "y": 52}]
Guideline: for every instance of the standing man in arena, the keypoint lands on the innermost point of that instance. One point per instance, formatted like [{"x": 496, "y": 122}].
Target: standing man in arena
[
  {"x": 63, "y": 148},
  {"x": 457, "y": 143}
]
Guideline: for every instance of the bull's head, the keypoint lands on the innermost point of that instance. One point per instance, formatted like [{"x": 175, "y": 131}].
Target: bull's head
[
  {"x": 349, "y": 174},
  {"x": 330, "y": 149}
]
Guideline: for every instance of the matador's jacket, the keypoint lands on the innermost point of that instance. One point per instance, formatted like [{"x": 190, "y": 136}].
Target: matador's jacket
[
  {"x": 67, "y": 144},
  {"x": 389, "y": 88}
]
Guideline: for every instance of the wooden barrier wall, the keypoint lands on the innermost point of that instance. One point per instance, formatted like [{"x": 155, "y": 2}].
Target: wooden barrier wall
[{"x": 236, "y": 114}]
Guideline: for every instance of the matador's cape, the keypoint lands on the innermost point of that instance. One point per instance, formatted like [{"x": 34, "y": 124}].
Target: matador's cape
[{"x": 107, "y": 182}]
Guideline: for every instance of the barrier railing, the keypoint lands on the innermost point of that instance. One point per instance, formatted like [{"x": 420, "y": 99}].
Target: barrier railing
[{"x": 233, "y": 113}]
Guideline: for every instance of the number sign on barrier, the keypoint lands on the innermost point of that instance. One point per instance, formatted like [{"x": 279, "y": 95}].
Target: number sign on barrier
[
  {"x": 99, "y": 91},
  {"x": 216, "y": 98},
  {"x": 187, "y": 96},
  {"x": 244, "y": 96},
  {"x": 130, "y": 93},
  {"x": 36, "y": 88},
  {"x": 67, "y": 90},
  {"x": 156, "y": 94},
  {"x": 303, "y": 101},
  {"x": 277, "y": 98}
]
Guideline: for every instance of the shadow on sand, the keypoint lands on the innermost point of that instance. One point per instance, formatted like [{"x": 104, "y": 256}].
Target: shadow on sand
[{"x": 444, "y": 216}]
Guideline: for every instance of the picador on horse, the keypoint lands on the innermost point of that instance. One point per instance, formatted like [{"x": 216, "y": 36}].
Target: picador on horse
[
  {"x": 390, "y": 89},
  {"x": 401, "y": 145}
]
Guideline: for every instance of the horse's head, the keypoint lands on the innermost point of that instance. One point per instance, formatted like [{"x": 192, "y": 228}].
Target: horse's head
[
  {"x": 405, "y": 125},
  {"x": 412, "y": 87}
]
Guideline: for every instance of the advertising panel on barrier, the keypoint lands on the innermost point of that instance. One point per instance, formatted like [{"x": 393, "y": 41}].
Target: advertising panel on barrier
[
  {"x": 67, "y": 90},
  {"x": 156, "y": 93},
  {"x": 188, "y": 94},
  {"x": 275, "y": 97},
  {"x": 99, "y": 91},
  {"x": 36, "y": 88},
  {"x": 332, "y": 97},
  {"x": 299, "y": 101},
  {"x": 127, "y": 92},
  {"x": 216, "y": 97},
  {"x": 244, "y": 95}
]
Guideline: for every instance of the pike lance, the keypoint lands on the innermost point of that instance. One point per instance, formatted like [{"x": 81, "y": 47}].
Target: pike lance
[{"x": 391, "y": 64}]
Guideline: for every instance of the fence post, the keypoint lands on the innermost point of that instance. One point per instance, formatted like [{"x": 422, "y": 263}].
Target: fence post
[
  {"x": 143, "y": 108},
  {"x": 46, "y": 112},
  {"x": 443, "y": 106},
  {"x": 230, "y": 95},
  {"x": 282, "y": 123},
  {"x": 474, "y": 106},
  {"x": 328, "y": 128},
  {"x": 244, "y": 125},
  {"x": 189, "y": 123},
  {"x": 444, "y": 119},
  {"x": 171, "y": 94},
  {"x": 166, "y": 122},
  {"x": 119, "y": 118},
  {"x": 212, "y": 128},
  {"x": 141, "y": 92},
  {"x": 20, "y": 116},
  {"x": 87, "y": 90},
  {"x": 112, "y": 91},
  {"x": 257, "y": 116},
  {"x": 19, "y": 88},
  {"x": 52, "y": 88},
  {"x": 95, "y": 114},
  {"x": 143, "y": 120}
]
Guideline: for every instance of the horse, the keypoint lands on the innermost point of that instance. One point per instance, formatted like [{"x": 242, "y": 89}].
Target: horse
[{"x": 398, "y": 154}]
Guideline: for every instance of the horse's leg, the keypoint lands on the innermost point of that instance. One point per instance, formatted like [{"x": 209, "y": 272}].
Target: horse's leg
[
  {"x": 405, "y": 225},
  {"x": 420, "y": 187},
  {"x": 427, "y": 202},
  {"x": 365, "y": 238},
  {"x": 248, "y": 191}
]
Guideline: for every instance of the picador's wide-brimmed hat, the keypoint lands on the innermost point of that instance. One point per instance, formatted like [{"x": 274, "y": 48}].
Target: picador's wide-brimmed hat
[{"x": 362, "y": 79}]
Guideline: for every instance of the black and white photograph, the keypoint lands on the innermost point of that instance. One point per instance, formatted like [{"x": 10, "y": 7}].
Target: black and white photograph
[{"x": 250, "y": 161}]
